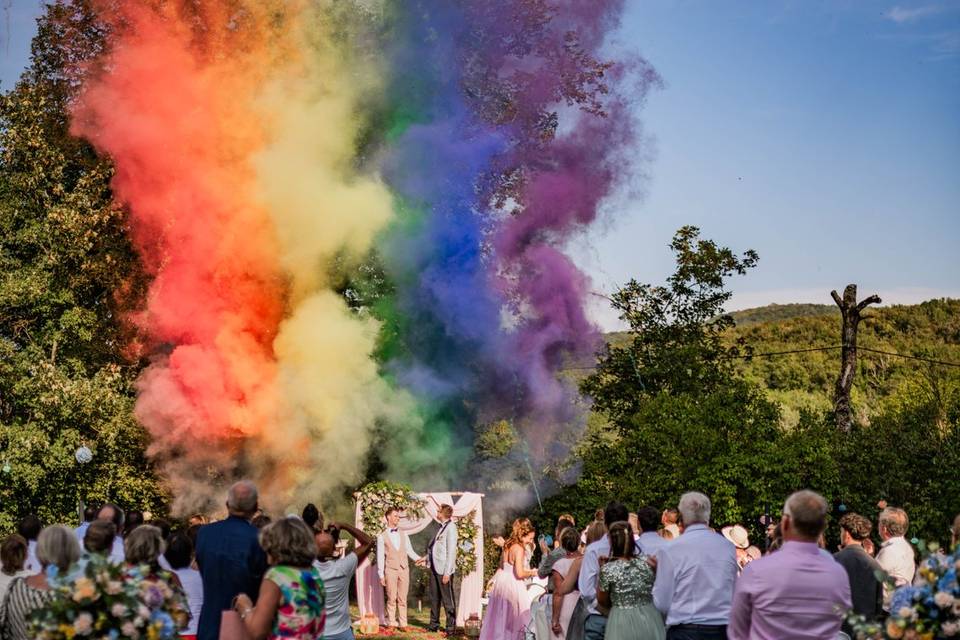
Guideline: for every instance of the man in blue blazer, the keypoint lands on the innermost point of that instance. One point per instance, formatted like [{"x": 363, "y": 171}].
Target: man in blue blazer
[{"x": 229, "y": 558}]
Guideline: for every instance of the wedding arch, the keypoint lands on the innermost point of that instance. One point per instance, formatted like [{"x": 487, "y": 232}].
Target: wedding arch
[{"x": 420, "y": 509}]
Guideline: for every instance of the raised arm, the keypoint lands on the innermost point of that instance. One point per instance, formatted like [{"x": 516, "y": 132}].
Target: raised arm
[{"x": 366, "y": 542}]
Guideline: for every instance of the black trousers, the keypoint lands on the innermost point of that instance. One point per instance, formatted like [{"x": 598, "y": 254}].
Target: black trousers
[
  {"x": 440, "y": 592},
  {"x": 697, "y": 632}
]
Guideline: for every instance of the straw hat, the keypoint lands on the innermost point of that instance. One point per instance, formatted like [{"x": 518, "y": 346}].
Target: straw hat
[{"x": 737, "y": 535}]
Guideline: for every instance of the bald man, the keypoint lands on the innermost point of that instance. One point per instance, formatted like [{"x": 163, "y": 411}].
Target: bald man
[{"x": 336, "y": 574}]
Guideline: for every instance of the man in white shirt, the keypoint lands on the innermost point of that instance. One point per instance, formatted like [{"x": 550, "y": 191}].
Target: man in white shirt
[
  {"x": 650, "y": 541},
  {"x": 695, "y": 576},
  {"x": 336, "y": 574},
  {"x": 896, "y": 554},
  {"x": 596, "y": 622},
  {"x": 393, "y": 549}
]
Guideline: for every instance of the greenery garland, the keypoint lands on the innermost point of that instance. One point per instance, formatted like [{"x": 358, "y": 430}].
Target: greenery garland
[
  {"x": 467, "y": 535},
  {"x": 377, "y": 497}
]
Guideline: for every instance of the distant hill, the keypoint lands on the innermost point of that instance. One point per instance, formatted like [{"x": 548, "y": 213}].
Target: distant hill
[
  {"x": 801, "y": 381},
  {"x": 774, "y": 312}
]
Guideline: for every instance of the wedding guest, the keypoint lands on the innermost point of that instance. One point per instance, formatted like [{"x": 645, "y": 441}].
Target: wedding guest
[
  {"x": 508, "y": 611},
  {"x": 229, "y": 558},
  {"x": 197, "y": 520},
  {"x": 564, "y": 604},
  {"x": 132, "y": 520},
  {"x": 650, "y": 541},
  {"x": 89, "y": 515},
  {"x": 179, "y": 557},
  {"x": 796, "y": 593},
  {"x": 595, "y": 532},
  {"x": 312, "y": 518},
  {"x": 13, "y": 558},
  {"x": 866, "y": 591},
  {"x": 441, "y": 559},
  {"x": 625, "y": 590},
  {"x": 143, "y": 549},
  {"x": 57, "y": 546},
  {"x": 261, "y": 520},
  {"x": 695, "y": 576},
  {"x": 113, "y": 513},
  {"x": 99, "y": 538},
  {"x": 393, "y": 552},
  {"x": 291, "y": 600},
  {"x": 336, "y": 574},
  {"x": 665, "y": 533},
  {"x": 550, "y": 557},
  {"x": 776, "y": 539},
  {"x": 596, "y": 621},
  {"x": 896, "y": 555},
  {"x": 869, "y": 547},
  {"x": 29, "y": 528},
  {"x": 955, "y": 532},
  {"x": 670, "y": 520},
  {"x": 740, "y": 539}
]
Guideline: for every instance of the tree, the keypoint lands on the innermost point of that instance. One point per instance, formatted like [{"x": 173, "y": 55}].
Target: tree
[
  {"x": 851, "y": 312},
  {"x": 68, "y": 277},
  {"x": 676, "y": 338}
]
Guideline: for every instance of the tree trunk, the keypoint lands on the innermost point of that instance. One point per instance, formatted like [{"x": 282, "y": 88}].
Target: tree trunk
[{"x": 850, "y": 312}]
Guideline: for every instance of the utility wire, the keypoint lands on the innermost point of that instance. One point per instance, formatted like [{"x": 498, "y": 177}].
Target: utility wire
[{"x": 810, "y": 349}]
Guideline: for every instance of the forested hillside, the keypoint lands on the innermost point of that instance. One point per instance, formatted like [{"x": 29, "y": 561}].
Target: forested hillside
[{"x": 805, "y": 380}]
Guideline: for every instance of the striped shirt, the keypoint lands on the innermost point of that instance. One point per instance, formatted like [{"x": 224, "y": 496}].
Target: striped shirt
[{"x": 21, "y": 600}]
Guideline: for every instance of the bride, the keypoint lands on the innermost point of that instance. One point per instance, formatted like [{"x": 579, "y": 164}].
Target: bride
[{"x": 509, "y": 609}]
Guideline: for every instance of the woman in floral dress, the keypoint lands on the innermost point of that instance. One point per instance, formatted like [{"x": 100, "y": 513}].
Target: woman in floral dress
[
  {"x": 291, "y": 600},
  {"x": 626, "y": 590}
]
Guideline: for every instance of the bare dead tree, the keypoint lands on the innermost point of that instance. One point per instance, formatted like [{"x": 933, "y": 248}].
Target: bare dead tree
[{"x": 851, "y": 312}]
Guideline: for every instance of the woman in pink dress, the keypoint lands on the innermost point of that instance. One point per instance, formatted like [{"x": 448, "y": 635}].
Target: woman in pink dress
[
  {"x": 564, "y": 604},
  {"x": 508, "y": 611}
]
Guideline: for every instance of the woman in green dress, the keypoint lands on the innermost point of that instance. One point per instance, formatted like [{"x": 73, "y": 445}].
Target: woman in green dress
[{"x": 625, "y": 590}]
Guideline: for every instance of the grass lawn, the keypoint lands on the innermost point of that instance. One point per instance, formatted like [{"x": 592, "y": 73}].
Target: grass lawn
[{"x": 418, "y": 620}]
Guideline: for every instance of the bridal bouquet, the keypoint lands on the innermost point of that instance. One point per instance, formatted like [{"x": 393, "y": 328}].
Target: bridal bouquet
[
  {"x": 105, "y": 601},
  {"x": 929, "y": 609}
]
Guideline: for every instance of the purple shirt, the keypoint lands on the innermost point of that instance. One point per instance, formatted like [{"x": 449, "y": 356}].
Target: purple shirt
[{"x": 795, "y": 593}]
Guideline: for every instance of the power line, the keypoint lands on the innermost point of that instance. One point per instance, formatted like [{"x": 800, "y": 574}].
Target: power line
[{"x": 811, "y": 349}]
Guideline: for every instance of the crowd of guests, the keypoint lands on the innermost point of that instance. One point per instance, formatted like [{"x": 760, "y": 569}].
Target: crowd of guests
[
  {"x": 287, "y": 578},
  {"x": 655, "y": 575}
]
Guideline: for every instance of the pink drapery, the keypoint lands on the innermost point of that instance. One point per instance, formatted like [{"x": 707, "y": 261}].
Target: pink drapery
[{"x": 369, "y": 591}]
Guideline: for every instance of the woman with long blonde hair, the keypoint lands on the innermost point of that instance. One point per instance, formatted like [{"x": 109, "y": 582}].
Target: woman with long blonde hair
[{"x": 508, "y": 611}]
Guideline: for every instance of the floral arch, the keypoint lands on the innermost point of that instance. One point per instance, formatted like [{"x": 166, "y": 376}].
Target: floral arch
[{"x": 419, "y": 511}]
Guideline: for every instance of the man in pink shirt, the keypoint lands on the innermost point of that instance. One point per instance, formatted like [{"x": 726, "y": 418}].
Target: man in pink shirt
[{"x": 796, "y": 593}]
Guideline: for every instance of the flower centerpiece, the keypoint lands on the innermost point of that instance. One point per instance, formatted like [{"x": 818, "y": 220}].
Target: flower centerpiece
[
  {"x": 375, "y": 498},
  {"x": 466, "y": 544},
  {"x": 103, "y": 600},
  {"x": 929, "y": 609}
]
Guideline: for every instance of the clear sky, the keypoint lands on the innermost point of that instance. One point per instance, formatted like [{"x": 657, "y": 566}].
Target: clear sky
[{"x": 825, "y": 134}]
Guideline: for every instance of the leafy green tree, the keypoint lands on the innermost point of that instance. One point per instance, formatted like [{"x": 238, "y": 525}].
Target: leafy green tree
[
  {"x": 68, "y": 277},
  {"x": 676, "y": 339}
]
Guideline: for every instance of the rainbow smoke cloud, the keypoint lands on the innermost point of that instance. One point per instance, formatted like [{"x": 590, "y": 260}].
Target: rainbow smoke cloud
[
  {"x": 505, "y": 134},
  {"x": 263, "y": 146}
]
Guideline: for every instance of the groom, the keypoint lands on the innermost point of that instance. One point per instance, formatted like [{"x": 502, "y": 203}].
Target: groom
[{"x": 442, "y": 561}]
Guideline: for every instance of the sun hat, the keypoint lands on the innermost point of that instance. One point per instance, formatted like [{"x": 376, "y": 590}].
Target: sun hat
[{"x": 737, "y": 535}]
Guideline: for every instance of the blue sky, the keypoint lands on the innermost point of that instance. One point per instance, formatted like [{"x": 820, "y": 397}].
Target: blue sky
[{"x": 823, "y": 134}]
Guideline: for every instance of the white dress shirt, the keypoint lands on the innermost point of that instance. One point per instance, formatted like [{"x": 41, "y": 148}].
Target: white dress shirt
[
  {"x": 695, "y": 578},
  {"x": 897, "y": 559},
  {"x": 399, "y": 540},
  {"x": 590, "y": 572},
  {"x": 651, "y": 542}
]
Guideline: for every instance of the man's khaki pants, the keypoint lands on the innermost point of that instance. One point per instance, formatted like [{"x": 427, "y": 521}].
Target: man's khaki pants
[{"x": 398, "y": 584}]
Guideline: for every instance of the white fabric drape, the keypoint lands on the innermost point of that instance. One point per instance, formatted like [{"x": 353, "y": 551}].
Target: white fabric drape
[{"x": 369, "y": 591}]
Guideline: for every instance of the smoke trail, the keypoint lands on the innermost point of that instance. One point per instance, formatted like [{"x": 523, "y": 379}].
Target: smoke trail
[
  {"x": 232, "y": 127},
  {"x": 506, "y": 133}
]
